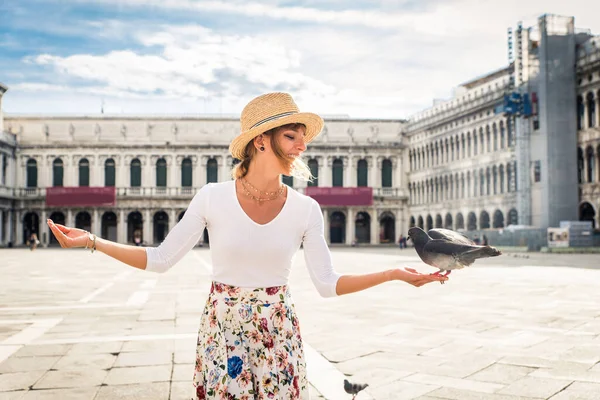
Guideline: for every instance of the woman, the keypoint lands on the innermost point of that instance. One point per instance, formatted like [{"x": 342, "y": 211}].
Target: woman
[{"x": 249, "y": 342}]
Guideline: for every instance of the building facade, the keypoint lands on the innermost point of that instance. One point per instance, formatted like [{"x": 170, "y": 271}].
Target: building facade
[{"x": 156, "y": 165}]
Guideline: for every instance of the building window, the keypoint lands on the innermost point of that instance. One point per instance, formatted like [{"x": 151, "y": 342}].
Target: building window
[
  {"x": 135, "y": 172},
  {"x": 386, "y": 173},
  {"x": 313, "y": 165},
  {"x": 537, "y": 171},
  {"x": 57, "y": 172},
  {"x": 288, "y": 180},
  {"x": 84, "y": 172},
  {"x": 161, "y": 173},
  {"x": 109, "y": 172},
  {"x": 32, "y": 173},
  {"x": 4, "y": 168},
  {"x": 362, "y": 173},
  {"x": 591, "y": 110},
  {"x": 212, "y": 171},
  {"x": 186, "y": 173},
  {"x": 337, "y": 172}
]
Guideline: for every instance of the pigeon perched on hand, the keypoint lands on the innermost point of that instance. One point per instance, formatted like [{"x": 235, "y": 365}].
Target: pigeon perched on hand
[
  {"x": 447, "y": 250},
  {"x": 354, "y": 388}
]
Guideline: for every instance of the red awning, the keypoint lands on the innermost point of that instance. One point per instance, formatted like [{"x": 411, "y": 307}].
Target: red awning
[
  {"x": 81, "y": 196},
  {"x": 341, "y": 196}
]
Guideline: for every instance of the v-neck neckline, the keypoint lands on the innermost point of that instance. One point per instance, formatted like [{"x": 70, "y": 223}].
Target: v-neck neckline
[{"x": 239, "y": 205}]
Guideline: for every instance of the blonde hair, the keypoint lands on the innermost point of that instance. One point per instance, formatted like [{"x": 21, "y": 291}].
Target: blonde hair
[{"x": 299, "y": 168}]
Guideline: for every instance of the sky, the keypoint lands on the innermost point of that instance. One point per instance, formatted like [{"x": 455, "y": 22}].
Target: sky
[{"x": 360, "y": 58}]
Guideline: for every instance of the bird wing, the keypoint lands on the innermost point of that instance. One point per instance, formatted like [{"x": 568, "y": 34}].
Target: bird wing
[
  {"x": 452, "y": 236},
  {"x": 441, "y": 246}
]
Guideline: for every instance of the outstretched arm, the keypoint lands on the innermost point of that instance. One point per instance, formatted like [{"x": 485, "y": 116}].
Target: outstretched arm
[{"x": 355, "y": 283}]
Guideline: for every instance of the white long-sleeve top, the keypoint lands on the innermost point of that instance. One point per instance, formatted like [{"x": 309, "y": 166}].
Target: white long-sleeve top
[{"x": 245, "y": 253}]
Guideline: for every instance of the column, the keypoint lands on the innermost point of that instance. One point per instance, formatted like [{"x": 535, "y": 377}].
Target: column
[
  {"x": 372, "y": 165},
  {"x": 148, "y": 171},
  {"x": 1, "y": 226},
  {"x": 10, "y": 233},
  {"x": 70, "y": 218},
  {"x": 597, "y": 105},
  {"x": 121, "y": 227},
  {"x": 95, "y": 222},
  {"x": 173, "y": 172},
  {"x": 200, "y": 171},
  {"x": 44, "y": 230},
  {"x": 122, "y": 172},
  {"x": 374, "y": 226},
  {"x": 325, "y": 170},
  {"x": 584, "y": 122},
  {"x": 396, "y": 172},
  {"x": 172, "y": 218},
  {"x": 349, "y": 226},
  {"x": 326, "y": 225},
  {"x": 18, "y": 239},
  {"x": 399, "y": 227},
  {"x": 148, "y": 237},
  {"x": 584, "y": 177},
  {"x": 224, "y": 174}
]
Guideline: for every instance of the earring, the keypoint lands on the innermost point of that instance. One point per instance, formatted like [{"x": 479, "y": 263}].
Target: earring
[{"x": 262, "y": 148}]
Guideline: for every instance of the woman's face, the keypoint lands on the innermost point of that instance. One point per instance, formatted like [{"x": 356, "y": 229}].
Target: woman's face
[{"x": 292, "y": 145}]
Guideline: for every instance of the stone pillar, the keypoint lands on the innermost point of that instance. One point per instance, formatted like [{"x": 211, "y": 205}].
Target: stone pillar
[
  {"x": 121, "y": 227},
  {"x": 584, "y": 122},
  {"x": 70, "y": 220},
  {"x": 584, "y": 178},
  {"x": 350, "y": 171},
  {"x": 374, "y": 226},
  {"x": 350, "y": 226},
  {"x": 397, "y": 172},
  {"x": 148, "y": 228},
  {"x": 224, "y": 174},
  {"x": 18, "y": 239},
  {"x": 172, "y": 219},
  {"x": 200, "y": 172},
  {"x": 44, "y": 229},
  {"x": 399, "y": 225},
  {"x": 122, "y": 172},
  {"x": 326, "y": 225},
  {"x": 1, "y": 226},
  {"x": 173, "y": 172},
  {"x": 378, "y": 171},
  {"x": 95, "y": 222},
  {"x": 324, "y": 171}
]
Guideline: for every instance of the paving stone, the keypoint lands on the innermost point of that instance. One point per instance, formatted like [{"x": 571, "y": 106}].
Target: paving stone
[
  {"x": 400, "y": 390},
  {"x": 532, "y": 386},
  {"x": 91, "y": 348},
  {"x": 502, "y": 373},
  {"x": 71, "y": 379},
  {"x": 14, "y": 395},
  {"x": 466, "y": 384},
  {"x": 85, "y": 361},
  {"x": 183, "y": 372},
  {"x": 570, "y": 375},
  {"x": 133, "y": 375},
  {"x": 43, "y": 350},
  {"x": 458, "y": 394},
  {"x": 88, "y": 393},
  {"x": 182, "y": 390},
  {"x": 137, "y": 391},
  {"x": 579, "y": 391},
  {"x": 138, "y": 359},
  {"x": 19, "y": 380},
  {"x": 24, "y": 364}
]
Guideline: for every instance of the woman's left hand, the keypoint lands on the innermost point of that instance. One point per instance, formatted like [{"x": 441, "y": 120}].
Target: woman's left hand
[{"x": 415, "y": 278}]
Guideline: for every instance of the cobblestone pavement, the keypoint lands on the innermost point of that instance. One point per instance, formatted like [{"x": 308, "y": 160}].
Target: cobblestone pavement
[{"x": 75, "y": 325}]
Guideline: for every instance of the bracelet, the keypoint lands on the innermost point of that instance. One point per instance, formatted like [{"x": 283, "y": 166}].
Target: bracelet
[{"x": 91, "y": 237}]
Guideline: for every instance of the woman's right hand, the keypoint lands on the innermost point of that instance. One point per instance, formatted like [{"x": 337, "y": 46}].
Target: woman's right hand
[{"x": 68, "y": 237}]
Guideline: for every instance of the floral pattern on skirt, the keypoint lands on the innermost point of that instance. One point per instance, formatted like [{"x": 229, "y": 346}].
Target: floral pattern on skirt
[{"x": 249, "y": 346}]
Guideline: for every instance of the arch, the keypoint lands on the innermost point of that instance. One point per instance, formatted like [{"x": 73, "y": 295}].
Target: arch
[
  {"x": 186, "y": 172},
  {"x": 135, "y": 228},
  {"x": 83, "y": 220},
  {"x": 313, "y": 165},
  {"x": 498, "y": 219},
  {"x": 135, "y": 173},
  {"x": 362, "y": 173},
  {"x": 460, "y": 221},
  {"x": 438, "y": 221},
  {"x": 429, "y": 223},
  {"x": 387, "y": 228},
  {"x": 84, "y": 172},
  {"x": 161, "y": 226},
  {"x": 580, "y": 113},
  {"x": 412, "y": 222},
  {"x": 580, "y": 165},
  {"x": 108, "y": 229},
  {"x": 58, "y": 172},
  {"x": 31, "y": 224},
  {"x": 587, "y": 213},
  {"x": 591, "y": 110},
  {"x": 362, "y": 227},
  {"x": 32, "y": 173},
  {"x": 484, "y": 220},
  {"x": 502, "y": 134},
  {"x": 337, "y": 172},
  {"x": 58, "y": 218},
  {"x": 109, "y": 172},
  {"x": 513, "y": 217},
  {"x": 337, "y": 227},
  {"x": 212, "y": 171},
  {"x": 448, "y": 221},
  {"x": 161, "y": 173},
  {"x": 471, "y": 221},
  {"x": 589, "y": 155},
  {"x": 420, "y": 223}
]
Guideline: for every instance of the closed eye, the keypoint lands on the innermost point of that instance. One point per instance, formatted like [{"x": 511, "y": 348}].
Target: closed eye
[{"x": 289, "y": 137}]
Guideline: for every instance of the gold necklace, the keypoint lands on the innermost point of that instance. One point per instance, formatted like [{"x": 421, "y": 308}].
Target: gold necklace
[
  {"x": 260, "y": 191},
  {"x": 274, "y": 195}
]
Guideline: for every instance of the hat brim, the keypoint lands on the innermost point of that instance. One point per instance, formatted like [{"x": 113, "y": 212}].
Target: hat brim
[{"x": 313, "y": 123}]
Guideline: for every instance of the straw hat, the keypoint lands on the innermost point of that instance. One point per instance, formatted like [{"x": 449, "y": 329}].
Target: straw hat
[{"x": 270, "y": 111}]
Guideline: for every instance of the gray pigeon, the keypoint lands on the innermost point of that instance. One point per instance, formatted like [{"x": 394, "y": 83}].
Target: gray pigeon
[
  {"x": 447, "y": 250},
  {"x": 354, "y": 388}
]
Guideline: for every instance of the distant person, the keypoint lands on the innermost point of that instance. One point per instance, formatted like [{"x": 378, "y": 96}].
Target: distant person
[
  {"x": 33, "y": 241},
  {"x": 256, "y": 224},
  {"x": 485, "y": 240},
  {"x": 402, "y": 241}
]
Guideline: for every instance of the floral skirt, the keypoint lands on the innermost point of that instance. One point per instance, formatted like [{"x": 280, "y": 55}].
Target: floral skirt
[{"x": 249, "y": 346}]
